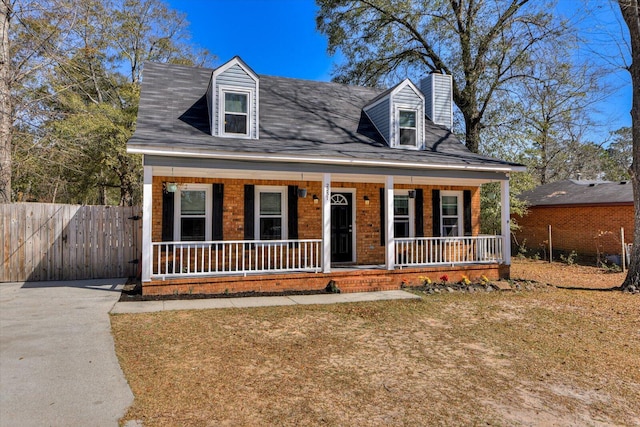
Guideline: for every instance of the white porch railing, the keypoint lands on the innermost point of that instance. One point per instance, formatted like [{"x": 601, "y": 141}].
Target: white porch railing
[
  {"x": 235, "y": 256},
  {"x": 420, "y": 251}
]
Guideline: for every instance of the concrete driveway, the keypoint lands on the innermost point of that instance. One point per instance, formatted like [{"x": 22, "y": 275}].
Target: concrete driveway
[{"x": 57, "y": 361}]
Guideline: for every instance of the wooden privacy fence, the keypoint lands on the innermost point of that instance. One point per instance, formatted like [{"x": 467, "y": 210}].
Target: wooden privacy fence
[{"x": 44, "y": 241}]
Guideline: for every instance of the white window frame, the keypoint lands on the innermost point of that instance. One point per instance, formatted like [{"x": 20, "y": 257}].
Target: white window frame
[
  {"x": 222, "y": 90},
  {"x": 460, "y": 216},
  {"x": 208, "y": 209},
  {"x": 396, "y": 128},
  {"x": 412, "y": 211},
  {"x": 284, "y": 232}
]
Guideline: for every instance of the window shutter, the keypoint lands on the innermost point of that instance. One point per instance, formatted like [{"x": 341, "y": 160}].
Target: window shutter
[
  {"x": 383, "y": 227},
  {"x": 419, "y": 213},
  {"x": 218, "y": 200},
  {"x": 168, "y": 200},
  {"x": 249, "y": 212},
  {"x": 292, "y": 212},
  {"x": 435, "y": 203},
  {"x": 466, "y": 209}
]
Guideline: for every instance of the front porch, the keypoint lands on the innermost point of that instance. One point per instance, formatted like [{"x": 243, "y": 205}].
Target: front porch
[
  {"x": 230, "y": 231},
  {"x": 297, "y": 265}
]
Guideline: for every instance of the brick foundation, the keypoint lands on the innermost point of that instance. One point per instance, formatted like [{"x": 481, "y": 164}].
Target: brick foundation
[{"x": 346, "y": 280}]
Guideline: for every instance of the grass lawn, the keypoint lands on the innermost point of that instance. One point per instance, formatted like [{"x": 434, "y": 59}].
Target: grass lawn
[{"x": 544, "y": 357}]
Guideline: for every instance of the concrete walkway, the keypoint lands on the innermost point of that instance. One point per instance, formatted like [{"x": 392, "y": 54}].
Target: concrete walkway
[
  {"x": 200, "y": 304},
  {"x": 57, "y": 361}
]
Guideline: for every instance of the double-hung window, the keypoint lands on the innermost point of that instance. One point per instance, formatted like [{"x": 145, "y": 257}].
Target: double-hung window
[
  {"x": 271, "y": 212},
  {"x": 451, "y": 213},
  {"x": 407, "y": 121},
  {"x": 403, "y": 214},
  {"x": 193, "y": 213},
  {"x": 236, "y": 113}
]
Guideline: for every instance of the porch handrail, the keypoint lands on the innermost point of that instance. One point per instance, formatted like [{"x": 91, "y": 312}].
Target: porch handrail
[
  {"x": 235, "y": 257},
  {"x": 419, "y": 251}
]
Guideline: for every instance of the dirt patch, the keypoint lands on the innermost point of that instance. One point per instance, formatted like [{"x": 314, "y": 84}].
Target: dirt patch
[{"x": 563, "y": 275}]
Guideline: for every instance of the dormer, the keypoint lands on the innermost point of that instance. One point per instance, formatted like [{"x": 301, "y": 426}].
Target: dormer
[
  {"x": 232, "y": 99},
  {"x": 398, "y": 114}
]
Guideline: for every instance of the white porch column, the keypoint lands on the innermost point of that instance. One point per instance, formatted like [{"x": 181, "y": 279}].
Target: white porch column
[
  {"x": 147, "y": 248},
  {"x": 505, "y": 220},
  {"x": 326, "y": 223},
  {"x": 388, "y": 201}
]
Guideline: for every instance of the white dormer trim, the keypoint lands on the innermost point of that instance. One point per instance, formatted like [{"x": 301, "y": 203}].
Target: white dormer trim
[
  {"x": 394, "y": 112},
  {"x": 222, "y": 89},
  {"x": 395, "y": 131},
  {"x": 216, "y": 92}
]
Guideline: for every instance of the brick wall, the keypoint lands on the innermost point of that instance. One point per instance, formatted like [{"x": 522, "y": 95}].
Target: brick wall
[
  {"x": 588, "y": 230},
  {"x": 368, "y": 248}
]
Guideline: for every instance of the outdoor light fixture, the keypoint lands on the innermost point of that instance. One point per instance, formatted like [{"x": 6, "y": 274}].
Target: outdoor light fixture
[
  {"x": 315, "y": 199},
  {"x": 302, "y": 192},
  {"x": 171, "y": 187},
  {"x": 412, "y": 194},
  {"x": 366, "y": 200}
]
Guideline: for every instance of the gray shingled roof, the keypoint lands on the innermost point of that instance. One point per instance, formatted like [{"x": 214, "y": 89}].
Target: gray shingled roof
[
  {"x": 573, "y": 192},
  {"x": 297, "y": 118}
]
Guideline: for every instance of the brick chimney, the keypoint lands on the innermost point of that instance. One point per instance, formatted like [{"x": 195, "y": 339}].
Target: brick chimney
[{"x": 438, "y": 93}]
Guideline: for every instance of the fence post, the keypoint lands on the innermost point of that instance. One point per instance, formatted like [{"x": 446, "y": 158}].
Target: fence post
[
  {"x": 624, "y": 250},
  {"x": 550, "y": 245}
]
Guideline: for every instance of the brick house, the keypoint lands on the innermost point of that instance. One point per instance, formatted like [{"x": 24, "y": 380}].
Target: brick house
[
  {"x": 259, "y": 183},
  {"x": 585, "y": 216}
]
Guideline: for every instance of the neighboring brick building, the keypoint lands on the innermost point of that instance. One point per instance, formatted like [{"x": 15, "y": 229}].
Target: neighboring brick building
[
  {"x": 258, "y": 183},
  {"x": 585, "y": 216}
]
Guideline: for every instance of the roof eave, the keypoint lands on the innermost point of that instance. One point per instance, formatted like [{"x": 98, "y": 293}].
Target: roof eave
[{"x": 166, "y": 151}]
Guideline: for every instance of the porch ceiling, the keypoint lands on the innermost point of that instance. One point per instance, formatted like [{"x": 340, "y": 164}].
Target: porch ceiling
[{"x": 423, "y": 178}]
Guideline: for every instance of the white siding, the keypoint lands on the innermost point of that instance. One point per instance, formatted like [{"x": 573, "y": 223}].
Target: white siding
[
  {"x": 407, "y": 98},
  {"x": 380, "y": 116},
  {"x": 236, "y": 77},
  {"x": 437, "y": 89}
]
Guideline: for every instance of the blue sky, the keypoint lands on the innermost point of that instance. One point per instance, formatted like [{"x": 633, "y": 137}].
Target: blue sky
[{"x": 279, "y": 38}]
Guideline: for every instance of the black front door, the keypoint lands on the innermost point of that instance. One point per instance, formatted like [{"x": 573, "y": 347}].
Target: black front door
[{"x": 341, "y": 228}]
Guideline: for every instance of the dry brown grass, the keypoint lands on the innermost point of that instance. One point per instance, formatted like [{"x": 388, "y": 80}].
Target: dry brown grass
[{"x": 555, "y": 357}]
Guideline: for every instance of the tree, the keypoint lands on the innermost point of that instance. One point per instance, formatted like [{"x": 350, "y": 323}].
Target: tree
[
  {"x": 631, "y": 15},
  {"x": 553, "y": 109},
  {"x": 618, "y": 156},
  {"x": 31, "y": 33},
  {"x": 484, "y": 45},
  {"x": 5, "y": 103},
  {"x": 85, "y": 98}
]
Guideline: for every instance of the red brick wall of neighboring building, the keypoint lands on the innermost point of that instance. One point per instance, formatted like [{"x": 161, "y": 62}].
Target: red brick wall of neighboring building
[{"x": 588, "y": 230}]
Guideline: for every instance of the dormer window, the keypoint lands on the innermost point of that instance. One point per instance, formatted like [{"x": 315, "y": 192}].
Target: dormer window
[
  {"x": 398, "y": 115},
  {"x": 233, "y": 99},
  {"x": 236, "y": 116},
  {"x": 408, "y": 128}
]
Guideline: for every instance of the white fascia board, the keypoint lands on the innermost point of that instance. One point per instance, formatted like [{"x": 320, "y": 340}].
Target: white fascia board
[
  {"x": 403, "y": 84},
  {"x": 165, "y": 151},
  {"x": 236, "y": 60}
]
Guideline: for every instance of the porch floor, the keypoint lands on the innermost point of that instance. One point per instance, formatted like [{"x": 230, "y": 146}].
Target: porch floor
[{"x": 347, "y": 278}]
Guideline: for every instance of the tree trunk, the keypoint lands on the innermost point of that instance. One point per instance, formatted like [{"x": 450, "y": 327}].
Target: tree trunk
[
  {"x": 472, "y": 133},
  {"x": 631, "y": 15},
  {"x": 6, "y": 110}
]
